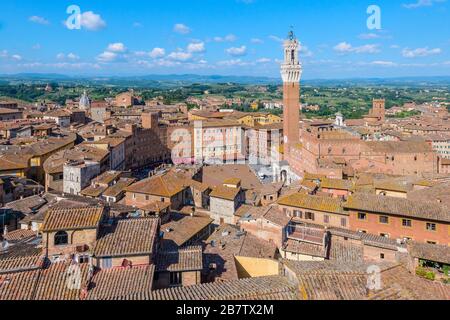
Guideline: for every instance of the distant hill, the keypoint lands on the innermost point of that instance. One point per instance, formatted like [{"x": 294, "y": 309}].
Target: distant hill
[{"x": 174, "y": 80}]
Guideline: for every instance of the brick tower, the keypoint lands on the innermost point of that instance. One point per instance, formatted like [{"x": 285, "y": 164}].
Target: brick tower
[
  {"x": 291, "y": 72},
  {"x": 379, "y": 109}
]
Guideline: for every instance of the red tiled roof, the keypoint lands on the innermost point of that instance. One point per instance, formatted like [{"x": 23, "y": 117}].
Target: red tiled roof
[
  {"x": 72, "y": 218},
  {"x": 129, "y": 237},
  {"x": 113, "y": 283}
]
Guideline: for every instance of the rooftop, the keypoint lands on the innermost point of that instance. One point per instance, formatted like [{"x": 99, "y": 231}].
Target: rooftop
[
  {"x": 182, "y": 228},
  {"x": 305, "y": 201},
  {"x": 398, "y": 206},
  {"x": 127, "y": 238},
  {"x": 57, "y": 219},
  {"x": 185, "y": 259}
]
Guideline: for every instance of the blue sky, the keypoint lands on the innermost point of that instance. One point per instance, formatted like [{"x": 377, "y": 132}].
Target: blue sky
[{"x": 227, "y": 37}]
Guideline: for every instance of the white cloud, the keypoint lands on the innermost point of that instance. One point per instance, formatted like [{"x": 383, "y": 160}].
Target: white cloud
[
  {"x": 70, "y": 56},
  {"x": 263, "y": 60},
  {"x": 107, "y": 56},
  {"x": 368, "y": 36},
  {"x": 196, "y": 47},
  {"x": 383, "y": 63},
  {"x": 92, "y": 21},
  {"x": 61, "y": 65},
  {"x": 421, "y": 3},
  {"x": 37, "y": 46},
  {"x": 420, "y": 52},
  {"x": 180, "y": 56},
  {"x": 275, "y": 38},
  {"x": 118, "y": 47},
  {"x": 157, "y": 53},
  {"x": 137, "y": 25},
  {"x": 305, "y": 52},
  {"x": 232, "y": 62},
  {"x": 5, "y": 55},
  {"x": 227, "y": 38},
  {"x": 256, "y": 41},
  {"x": 345, "y": 48},
  {"x": 237, "y": 51},
  {"x": 181, "y": 28},
  {"x": 154, "y": 54},
  {"x": 39, "y": 20}
]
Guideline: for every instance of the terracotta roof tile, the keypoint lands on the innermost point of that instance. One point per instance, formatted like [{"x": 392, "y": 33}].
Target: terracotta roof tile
[
  {"x": 305, "y": 201},
  {"x": 128, "y": 237},
  {"x": 184, "y": 228},
  {"x": 73, "y": 218},
  {"x": 18, "y": 286},
  {"x": 262, "y": 288},
  {"x": 432, "y": 252},
  {"x": 186, "y": 259},
  {"x": 157, "y": 185},
  {"x": 20, "y": 235},
  {"x": 398, "y": 206},
  {"x": 112, "y": 283},
  {"x": 53, "y": 281},
  {"x": 225, "y": 193},
  {"x": 21, "y": 258}
]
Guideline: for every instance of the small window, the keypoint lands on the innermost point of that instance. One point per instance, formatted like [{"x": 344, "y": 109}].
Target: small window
[
  {"x": 362, "y": 216},
  {"x": 343, "y": 222},
  {"x": 326, "y": 219},
  {"x": 175, "y": 279},
  {"x": 83, "y": 259},
  {"x": 406, "y": 223},
  {"x": 61, "y": 238},
  {"x": 147, "y": 197},
  {"x": 431, "y": 242},
  {"x": 107, "y": 263},
  {"x": 431, "y": 226},
  {"x": 385, "y": 235},
  {"x": 309, "y": 216},
  {"x": 298, "y": 214},
  {"x": 384, "y": 219},
  {"x": 381, "y": 255}
]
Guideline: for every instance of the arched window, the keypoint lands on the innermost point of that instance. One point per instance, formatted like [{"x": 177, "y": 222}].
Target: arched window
[{"x": 61, "y": 238}]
